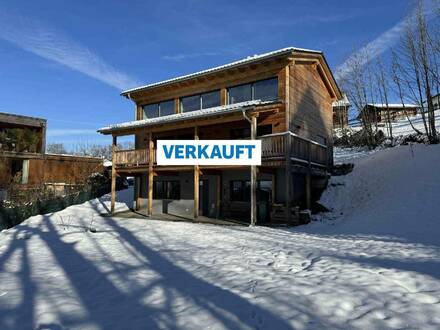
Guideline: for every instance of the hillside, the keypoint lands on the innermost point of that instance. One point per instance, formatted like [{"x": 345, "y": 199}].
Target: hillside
[{"x": 373, "y": 263}]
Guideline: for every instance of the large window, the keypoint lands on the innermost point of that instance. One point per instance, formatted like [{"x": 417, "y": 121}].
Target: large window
[
  {"x": 200, "y": 101},
  {"x": 166, "y": 190},
  {"x": 265, "y": 90},
  {"x": 158, "y": 109},
  {"x": 240, "y": 190},
  {"x": 245, "y": 132}
]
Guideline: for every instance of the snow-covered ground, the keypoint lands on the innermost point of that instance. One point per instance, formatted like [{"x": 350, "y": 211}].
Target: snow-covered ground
[
  {"x": 374, "y": 263},
  {"x": 403, "y": 126}
]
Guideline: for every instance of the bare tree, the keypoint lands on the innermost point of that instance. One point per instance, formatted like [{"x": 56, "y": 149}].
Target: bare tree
[
  {"x": 396, "y": 76},
  {"x": 382, "y": 87},
  {"x": 56, "y": 148}
]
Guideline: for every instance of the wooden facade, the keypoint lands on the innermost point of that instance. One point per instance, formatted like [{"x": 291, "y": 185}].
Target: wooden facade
[
  {"x": 32, "y": 166},
  {"x": 379, "y": 112},
  {"x": 295, "y": 129}
]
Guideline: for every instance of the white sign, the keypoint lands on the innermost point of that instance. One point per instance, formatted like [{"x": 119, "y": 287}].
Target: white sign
[{"x": 208, "y": 152}]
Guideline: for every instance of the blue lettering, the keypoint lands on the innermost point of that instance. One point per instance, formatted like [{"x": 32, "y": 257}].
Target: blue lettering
[
  {"x": 179, "y": 151},
  {"x": 216, "y": 152},
  {"x": 167, "y": 152},
  {"x": 231, "y": 154},
  {"x": 202, "y": 151},
  {"x": 239, "y": 151},
  {"x": 191, "y": 151},
  {"x": 249, "y": 148}
]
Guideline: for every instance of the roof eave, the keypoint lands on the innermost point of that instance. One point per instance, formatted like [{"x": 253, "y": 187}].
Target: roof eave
[{"x": 284, "y": 52}]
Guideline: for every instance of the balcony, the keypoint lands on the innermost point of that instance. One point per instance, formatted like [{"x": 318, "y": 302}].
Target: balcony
[
  {"x": 274, "y": 147},
  {"x": 302, "y": 150}
]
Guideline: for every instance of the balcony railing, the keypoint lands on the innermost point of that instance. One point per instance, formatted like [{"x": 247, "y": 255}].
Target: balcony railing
[
  {"x": 138, "y": 157},
  {"x": 274, "y": 147}
]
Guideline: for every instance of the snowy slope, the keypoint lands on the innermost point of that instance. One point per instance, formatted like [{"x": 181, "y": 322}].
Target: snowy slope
[
  {"x": 392, "y": 191},
  {"x": 375, "y": 268},
  {"x": 403, "y": 126}
]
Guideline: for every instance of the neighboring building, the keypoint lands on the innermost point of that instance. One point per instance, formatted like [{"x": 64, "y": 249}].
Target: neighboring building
[
  {"x": 340, "y": 112},
  {"x": 435, "y": 102},
  {"x": 379, "y": 112},
  {"x": 23, "y": 159},
  {"x": 283, "y": 97}
]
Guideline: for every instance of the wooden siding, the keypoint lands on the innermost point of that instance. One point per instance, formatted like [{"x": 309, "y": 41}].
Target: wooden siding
[
  {"x": 66, "y": 171},
  {"x": 211, "y": 82},
  {"x": 310, "y": 103},
  {"x": 53, "y": 168}
]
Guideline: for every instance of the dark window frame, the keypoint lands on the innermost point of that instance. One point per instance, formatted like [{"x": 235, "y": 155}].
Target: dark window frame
[
  {"x": 244, "y": 194},
  {"x": 252, "y": 86},
  {"x": 167, "y": 189},
  {"x": 200, "y": 97},
  {"x": 144, "y": 115}
]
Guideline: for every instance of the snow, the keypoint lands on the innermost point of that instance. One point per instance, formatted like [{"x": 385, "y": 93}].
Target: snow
[
  {"x": 393, "y": 105},
  {"x": 402, "y": 126},
  {"x": 246, "y": 60},
  {"x": 375, "y": 266},
  {"x": 185, "y": 115}
]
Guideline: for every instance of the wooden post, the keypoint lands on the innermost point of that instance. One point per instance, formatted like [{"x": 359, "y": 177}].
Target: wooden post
[
  {"x": 196, "y": 180},
  {"x": 150, "y": 173},
  {"x": 113, "y": 185},
  {"x": 137, "y": 190},
  {"x": 274, "y": 186},
  {"x": 218, "y": 196},
  {"x": 288, "y": 178},
  {"x": 309, "y": 178},
  {"x": 253, "y": 176}
]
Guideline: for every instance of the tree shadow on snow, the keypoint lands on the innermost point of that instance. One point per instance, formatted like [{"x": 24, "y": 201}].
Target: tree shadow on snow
[{"x": 108, "y": 306}]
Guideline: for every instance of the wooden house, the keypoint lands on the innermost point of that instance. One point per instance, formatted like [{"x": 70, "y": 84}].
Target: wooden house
[
  {"x": 23, "y": 159},
  {"x": 284, "y": 98},
  {"x": 340, "y": 112},
  {"x": 378, "y": 112}
]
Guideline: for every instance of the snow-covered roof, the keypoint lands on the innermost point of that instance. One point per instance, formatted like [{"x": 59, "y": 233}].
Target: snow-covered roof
[
  {"x": 246, "y": 60},
  {"x": 393, "y": 105},
  {"x": 185, "y": 115},
  {"x": 344, "y": 102}
]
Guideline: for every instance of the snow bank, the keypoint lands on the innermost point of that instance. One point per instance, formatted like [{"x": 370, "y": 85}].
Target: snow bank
[
  {"x": 393, "y": 192},
  {"x": 378, "y": 267}
]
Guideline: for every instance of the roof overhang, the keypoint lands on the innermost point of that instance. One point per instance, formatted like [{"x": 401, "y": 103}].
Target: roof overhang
[
  {"x": 128, "y": 128},
  {"x": 246, "y": 61}
]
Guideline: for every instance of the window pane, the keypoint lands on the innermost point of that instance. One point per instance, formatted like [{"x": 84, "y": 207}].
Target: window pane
[
  {"x": 264, "y": 191},
  {"x": 264, "y": 130},
  {"x": 158, "y": 192},
  {"x": 174, "y": 190},
  {"x": 167, "y": 108},
  {"x": 247, "y": 191},
  {"x": 151, "y": 110},
  {"x": 266, "y": 90},
  {"x": 236, "y": 190},
  {"x": 240, "y": 133},
  {"x": 240, "y": 93},
  {"x": 190, "y": 103},
  {"x": 211, "y": 99}
]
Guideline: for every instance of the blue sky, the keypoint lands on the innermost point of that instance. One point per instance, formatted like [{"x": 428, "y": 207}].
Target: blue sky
[{"x": 67, "y": 61}]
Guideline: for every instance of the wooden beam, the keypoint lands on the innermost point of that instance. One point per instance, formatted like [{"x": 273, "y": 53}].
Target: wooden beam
[
  {"x": 309, "y": 178},
  {"x": 288, "y": 179},
  {"x": 113, "y": 184},
  {"x": 150, "y": 173},
  {"x": 223, "y": 96},
  {"x": 218, "y": 195},
  {"x": 274, "y": 183},
  {"x": 137, "y": 196},
  {"x": 196, "y": 180},
  {"x": 253, "y": 176}
]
